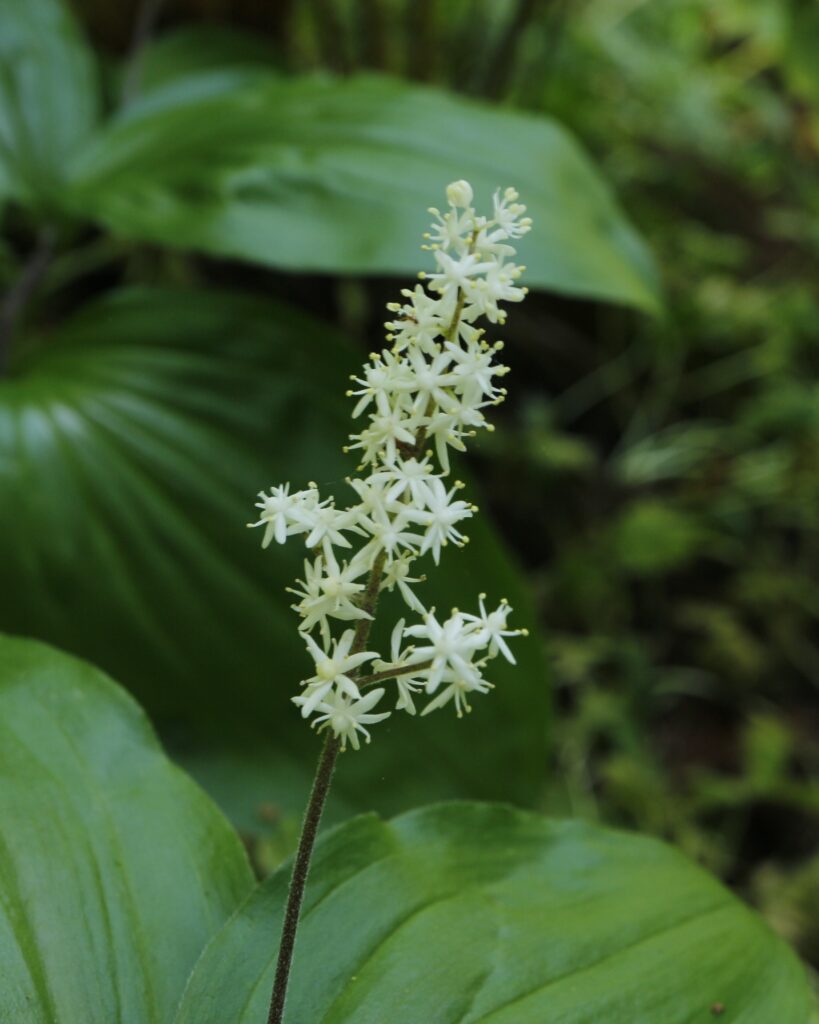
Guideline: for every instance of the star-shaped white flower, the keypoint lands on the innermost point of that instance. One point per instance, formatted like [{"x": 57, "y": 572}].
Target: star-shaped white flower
[
  {"x": 328, "y": 590},
  {"x": 458, "y": 274},
  {"x": 453, "y": 229},
  {"x": 509, "y": 213},
  {"x": 450, "y": 647},
  {"x": 281, "y": 512},
  {"x": 324, "y": 525},
  {"x": 397, "y": 574},
  {"x": 457, "y": 689},
  {"x": 348, "y": 717},
  {"x": 474, "y": 369},
  {"x": 492, "y": 629},
  {"x": 332, "y": 671},
  {"x": 429, "y": 381},
  {"x": 390, "y": 425},
  {"x": 389, "y": 533},
  {"x": 497, "y": 286},
  {"x": 406, "y": 476},
  {"x": 382, "y": 378},
  {"x": 419, "y": 322},
  {"x": 439, "y": 517}
]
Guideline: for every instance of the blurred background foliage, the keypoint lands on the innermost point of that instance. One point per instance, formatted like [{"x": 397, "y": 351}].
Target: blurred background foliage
[{"x": 206, "y": 205}]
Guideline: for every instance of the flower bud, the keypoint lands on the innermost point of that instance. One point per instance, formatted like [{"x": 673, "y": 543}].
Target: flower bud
[{"x": 459, "y": 193}]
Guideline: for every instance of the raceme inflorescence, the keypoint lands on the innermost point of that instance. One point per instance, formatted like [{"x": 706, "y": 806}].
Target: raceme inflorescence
[{"x": 424, "y": 395}]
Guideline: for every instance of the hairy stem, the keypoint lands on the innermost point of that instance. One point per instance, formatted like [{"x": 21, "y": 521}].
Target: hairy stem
[
  {"x": 301, "y": 867},
  {"x": 369, "y": 604},
  {"x": 312, "y": 816}
]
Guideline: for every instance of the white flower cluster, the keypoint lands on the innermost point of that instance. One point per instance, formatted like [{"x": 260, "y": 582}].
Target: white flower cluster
[{"x": 424, "y": 395}]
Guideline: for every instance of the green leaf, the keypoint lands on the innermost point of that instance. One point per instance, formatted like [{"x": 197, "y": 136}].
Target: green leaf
[
  {"x": 474, "y": 913},
  {"x": 799, "y": 64},
  {"x": 49, "y": 101},
  {"x": 263, "y": 792},
  {"x": 115, "y": 869},
  {"x": 132, "y": 444},
  {"x": 317, "y": 174},
  {"x": 652, "y": 538},
  {"x": 193, "y": 49}
]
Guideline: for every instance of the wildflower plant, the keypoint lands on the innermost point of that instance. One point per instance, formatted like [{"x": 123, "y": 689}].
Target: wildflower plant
[{"x": 425, "y": 394}]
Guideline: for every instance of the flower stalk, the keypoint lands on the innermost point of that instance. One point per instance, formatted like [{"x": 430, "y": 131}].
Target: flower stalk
[
  {"x": 424, "y": 395},
  {"x": 310, "y": 826},
  {"x": 393, "y": 672},
  {"x": 298, "y": 880}
]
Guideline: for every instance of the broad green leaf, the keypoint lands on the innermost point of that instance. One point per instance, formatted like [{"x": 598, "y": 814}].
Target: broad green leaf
[
  {"x": 263, "y": 791},
  {"x": 48, "y": 97},
  {"x": 132, "y": 444},
  {"x": 317, "y": 174},
  {"x": 194, "y": 48},
  {"x": 115, "y": 869},
  {"x": 467, "y": 913}
]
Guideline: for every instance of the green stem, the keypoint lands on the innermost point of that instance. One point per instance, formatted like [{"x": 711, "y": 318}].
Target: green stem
[{"x": 392, "y": 673}]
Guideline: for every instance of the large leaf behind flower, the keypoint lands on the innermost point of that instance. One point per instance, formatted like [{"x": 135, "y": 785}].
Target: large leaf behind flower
[
  {"x": 467, "y": 913},
  {"x": 336, "y": 175},
  {"x": 48, "y": 97},
  {"x": 115, "y": 869},
  {"x": 132, "y": 443},
  {"x": 299, "y": 172}
]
